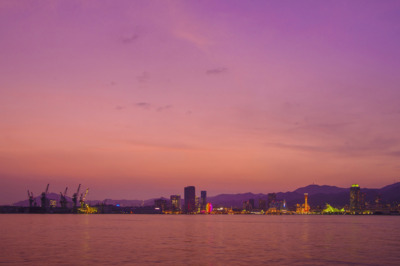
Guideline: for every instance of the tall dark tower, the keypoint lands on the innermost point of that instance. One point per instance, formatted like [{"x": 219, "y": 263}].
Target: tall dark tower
[
  {"x": 355, "y": 198},
  {"x": 190, "y": 200},
  {"x": 271, "y": 200},
  {"x": 203, "y": 202}
]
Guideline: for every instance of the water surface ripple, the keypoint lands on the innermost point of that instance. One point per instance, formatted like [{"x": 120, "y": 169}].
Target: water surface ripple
[{"x": 50, "y": 239}]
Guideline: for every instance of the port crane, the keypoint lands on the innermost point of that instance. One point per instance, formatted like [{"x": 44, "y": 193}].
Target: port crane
[
  {"x": 31, "y": 199},
  {"x": 63, "y": 199},
  {"x": 43, "y": 198},
  {"x": 75, "y": 197},
  {"x": 82, "y": 198}
]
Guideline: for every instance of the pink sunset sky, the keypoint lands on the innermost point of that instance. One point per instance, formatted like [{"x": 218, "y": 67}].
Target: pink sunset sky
[{"x": 137, "y": 99}]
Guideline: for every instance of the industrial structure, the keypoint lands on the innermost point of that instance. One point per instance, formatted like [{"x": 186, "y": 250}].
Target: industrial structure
[
  {"x": 75, "y": 199},
  {"x": 61, "y": 204},
  {"x": 306, "y": 207},
  {"x": 63, "y": 199},
  {"x": 45, "y": 202},
  {"x": 32, "y": 201}
]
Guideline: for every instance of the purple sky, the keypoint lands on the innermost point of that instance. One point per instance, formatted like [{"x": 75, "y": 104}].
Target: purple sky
[{"x": 137, "y": 99}]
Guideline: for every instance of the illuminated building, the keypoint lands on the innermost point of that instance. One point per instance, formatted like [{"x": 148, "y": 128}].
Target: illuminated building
[
  {"x": 283, "y": 206},
  {"x": 378, "y": 202},
  {"x": 203, "y": 200},
  {"x": 176, "y": 203},
  {"x": 355, "y": 198},
  {"x": 209, "y": 208},
  {"x": 190, "y": 199},
  {"x": 197, "y": 203}
]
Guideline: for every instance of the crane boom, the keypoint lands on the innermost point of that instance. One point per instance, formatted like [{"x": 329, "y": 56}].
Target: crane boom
[
  {"x": 84, "y": 197},
  {"x": 47, "y": 189}
]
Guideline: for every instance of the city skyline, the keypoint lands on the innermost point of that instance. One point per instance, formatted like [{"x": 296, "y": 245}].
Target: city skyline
[
  {"x": 140, "y": 98},
  {"x": 324, "y": 200},
  {"x": 200, "y": 198}
]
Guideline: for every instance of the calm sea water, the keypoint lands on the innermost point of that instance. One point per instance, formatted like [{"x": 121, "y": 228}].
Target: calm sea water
[{"x": 51, "y": 239}]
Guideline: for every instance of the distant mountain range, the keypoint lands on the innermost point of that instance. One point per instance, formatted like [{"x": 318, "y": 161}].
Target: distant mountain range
[{"x": 317, "y": 196}]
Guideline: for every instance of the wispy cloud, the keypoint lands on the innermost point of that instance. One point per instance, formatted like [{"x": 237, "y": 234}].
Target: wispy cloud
[
  {"x": 333, "y": 128},
  {"x": 215, "y": 71},
  {"x": 129, "y": 38},
  {"x": 163, "y": 108},
  {"x": 168, "y": 145},
  {"x": 143, "y": 105},
  {"x": 377, "y": 146},
  {"x": 395, "y": 153},
  {"x": 119, "y": 107}
]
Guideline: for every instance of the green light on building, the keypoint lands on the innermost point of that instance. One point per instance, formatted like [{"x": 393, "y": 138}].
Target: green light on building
[{"x": 355, "y": 185}]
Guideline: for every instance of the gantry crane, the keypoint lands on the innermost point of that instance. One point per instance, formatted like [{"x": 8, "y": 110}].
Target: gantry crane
[
  {"x": 83, "y": 197},
  {"x": 31, "y": 199},
  {"x": 75, "y": 197},
  {"x": 63, "y": 199},
  {"x": 44, "y": 200}
]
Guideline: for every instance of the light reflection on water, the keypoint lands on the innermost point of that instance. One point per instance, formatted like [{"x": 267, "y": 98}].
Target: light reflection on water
[{"x": 198, "y": 239}]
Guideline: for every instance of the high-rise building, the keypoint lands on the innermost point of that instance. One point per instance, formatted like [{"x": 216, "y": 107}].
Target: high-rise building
[
  {"x": 190, "y": 199},
  {"x": 197, "y": 209},
  {"x": 248, "y": 205},
  {"x": 271, "y": 200},
  {"x": 262, "y": 204},
  {"x": 355, "y": 198},
  {"x": 251, "y": 203},
  {"x": 203, "y": 200},
  {"x": 176, "y": 203}
]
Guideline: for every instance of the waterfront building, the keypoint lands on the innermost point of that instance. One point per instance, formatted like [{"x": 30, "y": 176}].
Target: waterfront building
[
  {"x": 209, "y": 208},
  {"x": 355, "y": 198},
  {"x": 176, "y": 203},
  {"x": 203, "y": 200},
  {"x": 161, "y": 204},
  {"x": 190, "y": 199},
  {"x": 197, "y": 209}
]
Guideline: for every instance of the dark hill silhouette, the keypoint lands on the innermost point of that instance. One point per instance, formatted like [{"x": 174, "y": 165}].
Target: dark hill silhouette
[{"x": 316, "y": 189}]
